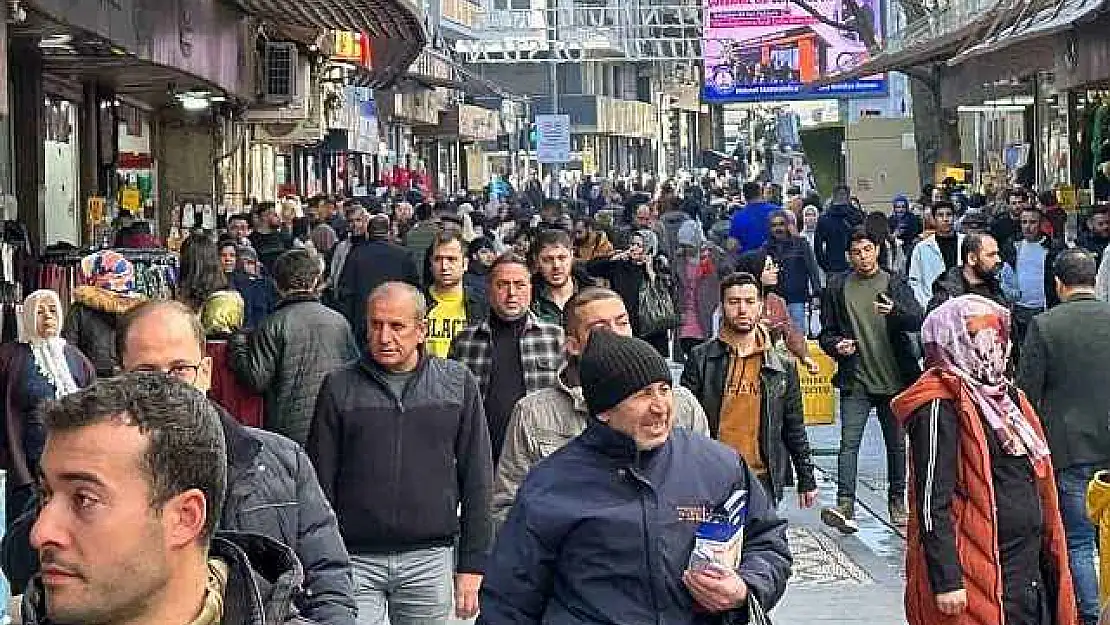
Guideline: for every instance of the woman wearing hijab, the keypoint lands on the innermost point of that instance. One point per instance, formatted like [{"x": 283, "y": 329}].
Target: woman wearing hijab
[
  {"x": 985, "y": 544},
  {"x": 222, "y": 316},
  {"x": 629, "y": 272},
  {"x": 108, "y": 294},
  {"x": 40, "y": 367}
]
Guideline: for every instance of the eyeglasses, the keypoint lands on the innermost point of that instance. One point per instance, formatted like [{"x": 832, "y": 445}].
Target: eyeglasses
[{"x": 185, "y": 373}]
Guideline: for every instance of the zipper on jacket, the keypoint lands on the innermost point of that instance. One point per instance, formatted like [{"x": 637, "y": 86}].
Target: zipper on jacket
[
  {"x": 764, "y": 423},
  {"x": 640, "y": 484}
]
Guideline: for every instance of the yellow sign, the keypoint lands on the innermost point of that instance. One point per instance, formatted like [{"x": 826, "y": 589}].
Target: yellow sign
[
  {"x": 589, "y": 163},
  {"x": 347, "y": 47},
  {"x": 96, "y": 210},
  {"x": 131, "y": 199},
  {"x": 1067, "y": 197},
  {"x": 818, "y": 395},
  {"x": 959, "y": 174}
]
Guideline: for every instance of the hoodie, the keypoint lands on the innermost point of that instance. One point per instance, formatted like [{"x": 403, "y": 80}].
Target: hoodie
[
  {"x": 91, "y": 325},
  {"x": 834, "y": 232}
]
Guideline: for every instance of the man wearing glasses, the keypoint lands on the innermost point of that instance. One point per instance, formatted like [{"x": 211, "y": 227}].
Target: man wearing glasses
[{"x": 271, "y": 486}]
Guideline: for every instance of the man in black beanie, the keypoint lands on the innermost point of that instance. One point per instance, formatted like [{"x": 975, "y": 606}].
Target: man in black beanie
[{"x": 584, "y": 515}]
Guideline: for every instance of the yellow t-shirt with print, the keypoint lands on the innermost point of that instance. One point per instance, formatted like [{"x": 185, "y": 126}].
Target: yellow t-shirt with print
[{"x": 445, "y": 321}]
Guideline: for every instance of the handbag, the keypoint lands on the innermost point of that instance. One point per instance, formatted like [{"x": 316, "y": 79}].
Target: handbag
[{"x": 658, "y": 312}]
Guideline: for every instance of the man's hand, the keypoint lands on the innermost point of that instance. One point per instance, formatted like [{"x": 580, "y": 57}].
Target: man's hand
[
  {"x": 716, "y": 588},
  {"x": 466, "y": 594},
  {"x": 952, "y": 603},
  {"x": 807, "y": 499},
  {"x": 845, "y": 347}
]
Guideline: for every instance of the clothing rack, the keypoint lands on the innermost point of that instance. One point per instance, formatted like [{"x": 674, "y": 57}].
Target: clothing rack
[{"x": 155, "y": 270}]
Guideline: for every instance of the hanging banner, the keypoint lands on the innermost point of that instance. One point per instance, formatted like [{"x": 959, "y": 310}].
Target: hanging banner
[
  {"x": 553, "y": 138},
  {"x": 772, "y": 49}
]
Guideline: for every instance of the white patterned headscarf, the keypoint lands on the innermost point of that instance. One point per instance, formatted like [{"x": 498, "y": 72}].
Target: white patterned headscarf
[{"x": 49, "y": 353}]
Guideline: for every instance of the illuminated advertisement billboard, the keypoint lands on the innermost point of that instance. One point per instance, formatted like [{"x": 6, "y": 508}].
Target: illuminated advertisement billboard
[{"x": 771, "y": 49}]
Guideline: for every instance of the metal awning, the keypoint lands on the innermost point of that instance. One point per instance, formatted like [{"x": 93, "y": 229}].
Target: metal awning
[
  {"x": 385, "y": 19},
  {"x": 1038, "y": 21}
]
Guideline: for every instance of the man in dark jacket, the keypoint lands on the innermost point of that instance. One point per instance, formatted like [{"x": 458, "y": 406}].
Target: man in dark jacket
[
  {"x": 977, "y": 273},
  {"x": 558, "y": 279},
  {"x": 292, "y": 350},
  {"x": 143, "y": 545},
  {"x": 588, "y": 540},
  {"x": 799, "y": 275},
  {"x": 759, "y": 414},
  {"x": 834, "y": 230},
  {"x": 865, "y": 317},
  {"x": 367, "y": 260},
  {"x": 1064, "y": 373},
  {"x": 267, "y": 239},
  {"x": 402, "y": 450}
]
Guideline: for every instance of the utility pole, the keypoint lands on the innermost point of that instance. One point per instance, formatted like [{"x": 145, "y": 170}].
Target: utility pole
[{"x": 555, "y": 190}]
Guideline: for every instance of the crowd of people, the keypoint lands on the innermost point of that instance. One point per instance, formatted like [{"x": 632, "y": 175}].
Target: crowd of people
[{"x": 425, "y": 408}]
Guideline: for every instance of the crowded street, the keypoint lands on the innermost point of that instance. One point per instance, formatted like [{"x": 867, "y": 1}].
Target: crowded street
[{"x": 554, "y": 312}]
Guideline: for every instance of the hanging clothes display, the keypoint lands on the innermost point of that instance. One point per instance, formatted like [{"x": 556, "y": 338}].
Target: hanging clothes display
[{"x": 155, "y": 271}]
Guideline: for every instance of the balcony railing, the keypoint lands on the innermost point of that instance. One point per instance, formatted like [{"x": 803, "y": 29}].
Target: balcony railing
[{"x": 940, "y": 21}]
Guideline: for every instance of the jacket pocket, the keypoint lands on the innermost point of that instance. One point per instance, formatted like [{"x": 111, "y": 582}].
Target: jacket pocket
[{"x": 278, "y": 520}]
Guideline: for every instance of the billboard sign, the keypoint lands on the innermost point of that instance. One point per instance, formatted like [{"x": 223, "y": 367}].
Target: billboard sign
[
  {"x": 771, "y": 49},
  {"x": 553, "y": 138}
]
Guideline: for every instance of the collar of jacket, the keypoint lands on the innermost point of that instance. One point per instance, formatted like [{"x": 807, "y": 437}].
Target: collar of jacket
[
  {"x": 242, "y": 448},
  {"x": 297, "y": 298},
  {"x": 573, "y": 392},
  {"x": 374, "y": 370},
  {"x": 264, "y": 578},
  {"x": 618, "y": 446},
  {"x": 772, "y": 359},
  {"x": 484, "y": 328},
  {"x": 1081, "y": 297}
]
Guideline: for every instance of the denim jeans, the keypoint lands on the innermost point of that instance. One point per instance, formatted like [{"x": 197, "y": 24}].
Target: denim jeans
[
  {"x": 854, "y": 411},
  {"x": 1071, "y": 485},
  {"x": 798, "y": 316},
  {"x": 408, "y": 588}
]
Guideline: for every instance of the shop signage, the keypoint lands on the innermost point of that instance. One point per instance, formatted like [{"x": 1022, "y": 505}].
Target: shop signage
[
  {"x": 478, "y": 123},
  {"x": 433, "y": 66},
  {"x": 553, "y": 138},
  {"x": 95, "y": 208},
  {"x": 131, "y": 199},
  {"x": 772, "y": 49},
  {"x": 351, "y": 47}
]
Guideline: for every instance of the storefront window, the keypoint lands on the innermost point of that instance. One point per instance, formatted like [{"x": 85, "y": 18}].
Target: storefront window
[{"x": 1053, "y": 140}]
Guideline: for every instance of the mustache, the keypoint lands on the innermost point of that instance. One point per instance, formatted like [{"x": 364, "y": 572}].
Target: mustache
[{"x": 48, "y": 558}]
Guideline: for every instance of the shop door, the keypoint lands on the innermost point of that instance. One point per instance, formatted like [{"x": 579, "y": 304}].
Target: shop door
[{"x": 61, "y": 196}]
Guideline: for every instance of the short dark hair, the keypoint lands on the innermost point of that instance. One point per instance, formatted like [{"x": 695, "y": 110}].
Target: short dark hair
[
  {"x": 239, "y": 217},
  {"x": 186, "y": 448},
  {"x": 133, "y": 316},
  {"x": 1075, "y": 268},
  {"x": 1047, "y": 198},
  {"x": 423, "y": 211},
  {"x": 265, "y": 207},
  {"x": 752, "y": 191},
  {"x": 446, "y": 237},
  {"x": 942, "y": 204},
  {"x": 584, "y": 297},
  {"x": 551, "y": 236},
  {"x": 740, "y": 278},
  {"x": 1100, "y": 209},
  {"x": 508, "y": 258},
  {"x": 297, "y": 270},
  {"x": 862, "y": 234},
  {"x": 973, "y": 244}
]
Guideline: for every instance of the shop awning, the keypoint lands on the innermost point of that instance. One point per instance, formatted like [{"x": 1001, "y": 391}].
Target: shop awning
[
  {"x": 385, "y": 19},
  {"x": 1040, "y": 20}
]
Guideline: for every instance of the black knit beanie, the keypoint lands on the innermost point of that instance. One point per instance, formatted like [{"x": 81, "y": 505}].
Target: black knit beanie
[{"x": 613, "y": 368}]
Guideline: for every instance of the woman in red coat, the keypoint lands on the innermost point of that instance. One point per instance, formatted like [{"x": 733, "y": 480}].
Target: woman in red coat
[{"x": 222, "y": 315}]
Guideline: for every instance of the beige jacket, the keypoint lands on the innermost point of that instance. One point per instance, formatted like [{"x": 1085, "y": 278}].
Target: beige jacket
[{"x": 545, "y": 420}]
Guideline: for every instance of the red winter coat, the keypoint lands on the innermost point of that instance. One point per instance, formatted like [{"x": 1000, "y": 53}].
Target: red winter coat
[
  {"x": 228, "y": 392},
  {"x": 974, "y": 518}
]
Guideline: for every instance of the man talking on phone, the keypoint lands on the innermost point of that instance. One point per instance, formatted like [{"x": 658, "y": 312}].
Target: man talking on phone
[{"x": 866, "y": 314}]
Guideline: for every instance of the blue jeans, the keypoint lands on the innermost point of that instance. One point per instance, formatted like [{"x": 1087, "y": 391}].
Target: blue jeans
[
  {"x": 854, "y": 411},
  {"x": 1071, "y": 485},
  {"x": 407, "y": 588},
  {"x": 798, "y": 316}
]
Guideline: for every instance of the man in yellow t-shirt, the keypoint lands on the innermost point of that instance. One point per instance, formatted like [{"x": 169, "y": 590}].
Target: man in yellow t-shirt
[{"x": 450, "y": 307}]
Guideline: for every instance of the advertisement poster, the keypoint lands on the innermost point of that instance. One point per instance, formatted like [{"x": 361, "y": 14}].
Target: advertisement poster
[{"x": 771, "y": 49}]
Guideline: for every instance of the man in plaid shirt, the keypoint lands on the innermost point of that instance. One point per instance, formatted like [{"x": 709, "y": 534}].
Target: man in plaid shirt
[{"x": 512, "y": 346}]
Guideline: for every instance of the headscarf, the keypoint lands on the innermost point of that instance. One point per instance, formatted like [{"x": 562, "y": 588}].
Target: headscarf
[
  {"x": 969, "y": 336},
  {"x": 49, "y": 354},
  {"x": 109, "y": 270},
  {"x": 222, "y": 313}
]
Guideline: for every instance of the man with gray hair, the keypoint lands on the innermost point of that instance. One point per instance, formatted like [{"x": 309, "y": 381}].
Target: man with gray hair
[{"x": 402, "y": 450}]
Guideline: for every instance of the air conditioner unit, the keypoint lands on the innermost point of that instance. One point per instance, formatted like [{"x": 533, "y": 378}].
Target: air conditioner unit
[
  {"x": 307, "y": 132},
  {"x": 279, "y": 72},
  {"x": 295, "y": 109}
]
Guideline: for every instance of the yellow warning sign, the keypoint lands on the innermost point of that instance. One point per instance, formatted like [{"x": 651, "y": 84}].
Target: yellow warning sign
[{"x": 818, "y": 394}]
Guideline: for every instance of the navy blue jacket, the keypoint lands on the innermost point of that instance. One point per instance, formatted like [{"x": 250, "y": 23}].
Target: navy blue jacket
[
  {"x": 602, "y": 533},
  {"x": 834, "y": 232},
  {"x": 799, "y": 276}
]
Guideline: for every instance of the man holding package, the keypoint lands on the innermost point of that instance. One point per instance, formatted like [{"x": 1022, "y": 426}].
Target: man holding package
[{"x": 573, "y": 547}]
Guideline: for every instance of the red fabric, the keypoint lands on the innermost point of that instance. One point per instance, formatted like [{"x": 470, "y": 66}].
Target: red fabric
[
  {"x": 974, "y": 518},
  {"x": 226, "y": 390}
]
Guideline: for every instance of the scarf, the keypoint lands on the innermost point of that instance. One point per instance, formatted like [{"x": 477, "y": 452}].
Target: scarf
[
  {"x": 969, "y": 337},
  {"x": 49, "y": 353},
  {"x": 212, "y": 612},
  {"x": 108, "y": 269}
]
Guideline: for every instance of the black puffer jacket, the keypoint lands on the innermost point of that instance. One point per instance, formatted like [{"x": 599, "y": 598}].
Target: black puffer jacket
[
  {"x": 91, "y": 325},
  {"x": 271, "y": 491},
  {"x": 287, "y": 357},
  {"x": 264, "y": 579}
]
